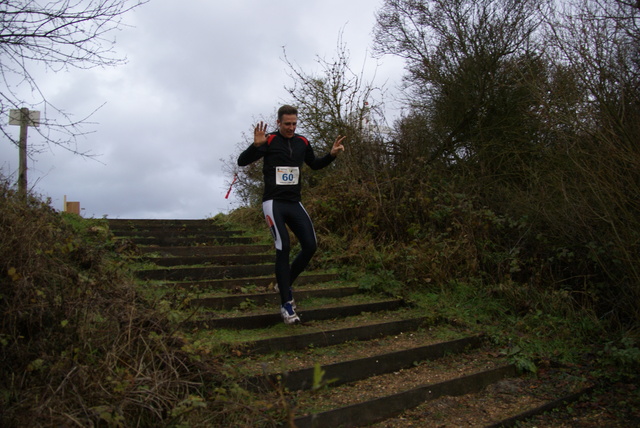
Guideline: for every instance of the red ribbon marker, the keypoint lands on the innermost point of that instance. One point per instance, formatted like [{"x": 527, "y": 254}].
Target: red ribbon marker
[{"x": 235, "y": 178}]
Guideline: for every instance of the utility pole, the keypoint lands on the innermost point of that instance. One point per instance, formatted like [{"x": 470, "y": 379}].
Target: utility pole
[{"x": 24, "y": 118}]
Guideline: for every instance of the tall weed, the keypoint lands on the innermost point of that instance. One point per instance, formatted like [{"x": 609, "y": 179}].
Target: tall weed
[{"x": 79, "y": 345}]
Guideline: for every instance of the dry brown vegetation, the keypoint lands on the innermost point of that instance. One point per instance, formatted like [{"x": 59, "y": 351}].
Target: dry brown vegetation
[
  {"x": 511, "y": 177},
  {"x": 508, "y": 195},
  {"x": 79, "y": 344},
  {"x": 516, "y": 160}
]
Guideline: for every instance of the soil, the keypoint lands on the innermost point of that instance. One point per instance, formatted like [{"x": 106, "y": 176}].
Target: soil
[
  {"x": 348, "y": 351},
  {"x": 594, "y": 410},
  {"x": 239, "y": 337},
  {"x": 603, "y": 407},
  {"x": 428, "y": 372},
  {"x": 497, "y": 402}
]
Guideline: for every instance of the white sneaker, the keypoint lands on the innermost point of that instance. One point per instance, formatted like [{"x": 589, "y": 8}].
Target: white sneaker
[
  {"x": 289, "y": 315},
  {"x": 292, "y": 301}
]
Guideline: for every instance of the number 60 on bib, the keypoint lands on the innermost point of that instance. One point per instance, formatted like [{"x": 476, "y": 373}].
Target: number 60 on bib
[{"x": 287, "y": 175}]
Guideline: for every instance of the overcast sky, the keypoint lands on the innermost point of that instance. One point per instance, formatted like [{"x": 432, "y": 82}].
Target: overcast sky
[{"x": 199, "y": 73}]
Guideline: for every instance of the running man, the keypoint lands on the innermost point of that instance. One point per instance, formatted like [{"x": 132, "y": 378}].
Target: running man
[{"x": 284, "y": 152}]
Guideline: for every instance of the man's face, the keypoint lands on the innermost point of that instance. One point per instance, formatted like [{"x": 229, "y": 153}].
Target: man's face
[{"x": 287, "y": 125}]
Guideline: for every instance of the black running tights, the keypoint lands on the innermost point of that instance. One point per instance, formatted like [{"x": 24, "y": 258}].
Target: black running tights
[{"x": 279, "y": 214}]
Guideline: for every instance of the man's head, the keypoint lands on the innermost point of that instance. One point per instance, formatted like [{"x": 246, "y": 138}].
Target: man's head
[
  {"x": 287, "y": 120},
  {"x": 287, "y": 109}
]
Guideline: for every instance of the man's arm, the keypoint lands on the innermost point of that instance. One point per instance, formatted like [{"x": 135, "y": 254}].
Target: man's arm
[
  {"x": 254, "y": 152},
  {"x": 319, "y": 163}
]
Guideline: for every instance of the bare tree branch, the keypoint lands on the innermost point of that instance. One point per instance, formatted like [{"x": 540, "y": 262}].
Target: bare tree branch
[{"x": 60, "y": 35}]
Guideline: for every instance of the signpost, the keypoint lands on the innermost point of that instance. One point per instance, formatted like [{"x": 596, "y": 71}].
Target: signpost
[{"x": 24, "y": 118}]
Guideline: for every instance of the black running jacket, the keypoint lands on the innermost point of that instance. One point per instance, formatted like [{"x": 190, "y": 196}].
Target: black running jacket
[{"x": 282, "y": 152}]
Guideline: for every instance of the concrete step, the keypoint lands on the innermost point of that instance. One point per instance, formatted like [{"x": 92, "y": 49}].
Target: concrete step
[
  {"x": 191, "y": 241},
  {"x": 145, "y": 224},
  {"x": 273, "y": 298},
  {"x": 237, "y": 263},
  {"x": 372, "y": 411},
  {"x": 361, "y": 368},
  {"x": 218, "y": 260},
  {"x": 203, "y": 250},
  {"x": 254, "y": 281},
  {"x": 204, "y": 273},
  {"x": 269, "y": 319},
  {"x": 163, "y": 232},
  {"x": 326, "y": 338}
]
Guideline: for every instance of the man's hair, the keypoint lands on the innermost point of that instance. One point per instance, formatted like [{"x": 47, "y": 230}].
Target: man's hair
[{"x": 286, "y": 109}]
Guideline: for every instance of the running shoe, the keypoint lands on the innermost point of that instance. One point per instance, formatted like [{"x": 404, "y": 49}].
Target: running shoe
[
  {"x": 289, "y": 315},
  {"x": 291, "y": 300}
]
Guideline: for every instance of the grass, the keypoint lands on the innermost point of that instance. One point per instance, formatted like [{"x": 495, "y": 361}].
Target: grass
[
  {"x": 528, "y": 334},
  {"x": 239, "y": 337},
  {"x": 81, "y": 342},
  {"x": 84, "y": 342}
]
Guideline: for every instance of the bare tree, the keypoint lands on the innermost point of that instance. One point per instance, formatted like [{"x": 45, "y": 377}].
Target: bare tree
[
  {"x": 334, "y": 101},
  {"x": 469, "y": 64},
  {"x": 599, "y": 40},
  {"x": 60, "y": 35},
  {"x": 339, "y": 100}
]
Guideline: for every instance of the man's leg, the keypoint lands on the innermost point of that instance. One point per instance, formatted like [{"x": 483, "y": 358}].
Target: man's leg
[
  {"x": 274, "y": 213},
  {"x": 301, "y": 225}
]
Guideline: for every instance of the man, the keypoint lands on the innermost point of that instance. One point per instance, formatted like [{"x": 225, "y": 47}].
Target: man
[{"x": 283, "y": 154}]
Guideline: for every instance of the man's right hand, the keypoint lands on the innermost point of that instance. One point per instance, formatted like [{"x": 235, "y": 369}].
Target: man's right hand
[{"x": 260, "y": 134}]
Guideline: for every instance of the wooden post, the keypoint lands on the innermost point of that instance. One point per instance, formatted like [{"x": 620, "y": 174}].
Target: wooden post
[
  {"x": 23, "y": 118},
  {"x": 22, "y": 147}
]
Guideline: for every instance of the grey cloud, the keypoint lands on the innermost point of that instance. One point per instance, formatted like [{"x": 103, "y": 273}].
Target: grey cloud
[{"x": 198, "y": 74}]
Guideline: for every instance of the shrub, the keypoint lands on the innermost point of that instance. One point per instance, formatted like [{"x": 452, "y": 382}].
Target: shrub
[{"x": 78, "y": 343}]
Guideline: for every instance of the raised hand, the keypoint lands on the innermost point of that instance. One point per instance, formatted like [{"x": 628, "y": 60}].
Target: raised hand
[
  {"x": 260, "y": 134},
  {"x": 337, "y": 146}
]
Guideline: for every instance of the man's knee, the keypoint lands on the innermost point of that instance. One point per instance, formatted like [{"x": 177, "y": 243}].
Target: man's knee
[
  {"x": 310, "y": 247},
  {"x": 284, "y": 250}
]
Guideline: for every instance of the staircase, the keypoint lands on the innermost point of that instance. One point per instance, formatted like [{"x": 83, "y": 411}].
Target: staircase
[{"x": 356, "y": 359}]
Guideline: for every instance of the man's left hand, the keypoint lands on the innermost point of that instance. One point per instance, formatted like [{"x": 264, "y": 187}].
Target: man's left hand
[{"x": 337, "y": 146}]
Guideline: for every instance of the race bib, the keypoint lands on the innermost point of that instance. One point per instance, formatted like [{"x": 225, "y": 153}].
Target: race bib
[{"x": 287, "y": 175}]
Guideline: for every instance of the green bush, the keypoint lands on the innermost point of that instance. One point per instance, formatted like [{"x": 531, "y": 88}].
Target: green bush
[{"x": 78, "y": 343}]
